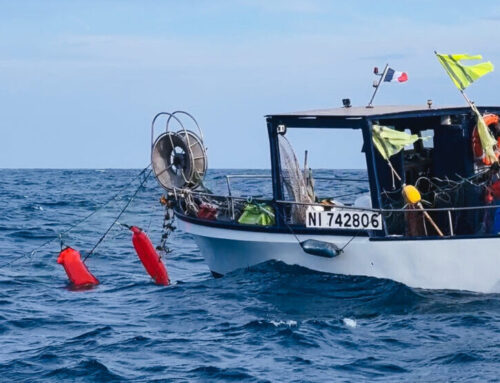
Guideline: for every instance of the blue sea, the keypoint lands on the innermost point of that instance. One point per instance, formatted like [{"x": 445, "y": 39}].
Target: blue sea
[{"x": 269, "y": 323}]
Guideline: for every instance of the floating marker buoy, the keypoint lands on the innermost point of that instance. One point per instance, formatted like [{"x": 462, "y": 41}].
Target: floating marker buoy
[
  {"x": 411, "y": 194},
  {"x": 149, "y": 257},
  {"x": 76, "y": 270}
]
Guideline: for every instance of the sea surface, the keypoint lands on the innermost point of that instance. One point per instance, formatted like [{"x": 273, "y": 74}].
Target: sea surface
[{"x": 269, "y": 323}]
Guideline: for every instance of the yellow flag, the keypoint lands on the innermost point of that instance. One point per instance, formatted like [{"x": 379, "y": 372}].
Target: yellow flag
[
  {"x": 464, "y": 75},
  {"x": 488, "y": 142},
  {"x": 389, "y": 141}
]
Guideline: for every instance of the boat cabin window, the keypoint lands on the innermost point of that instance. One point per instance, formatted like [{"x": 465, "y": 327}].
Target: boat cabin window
[
  {"x": 329, "y": 167},
  {"x": 437, "y": 165},
  {"x": 322, "y": 166}
]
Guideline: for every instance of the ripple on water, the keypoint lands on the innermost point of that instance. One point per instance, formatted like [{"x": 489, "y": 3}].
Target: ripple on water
[
  {"x": 87, "y": 370},
  {"x": 271, "y": 322}
]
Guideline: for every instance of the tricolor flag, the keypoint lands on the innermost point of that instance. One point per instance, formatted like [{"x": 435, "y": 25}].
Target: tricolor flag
[{"x": 391, "y": 75}]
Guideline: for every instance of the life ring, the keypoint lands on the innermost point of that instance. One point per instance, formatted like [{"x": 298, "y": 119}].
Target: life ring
[{"x": 492, "y": 121}]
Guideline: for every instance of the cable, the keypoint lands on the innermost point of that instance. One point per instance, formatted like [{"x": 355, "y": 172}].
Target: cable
[
  {"x": 118, "y": 217},
  {"x": 61, "y": 234},
  {"x": 341, "y": 250},
  {"x": 348, "y": 242}
]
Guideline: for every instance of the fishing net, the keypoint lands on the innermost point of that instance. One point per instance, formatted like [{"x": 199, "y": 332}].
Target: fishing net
[{"x": 294, "y": 182}]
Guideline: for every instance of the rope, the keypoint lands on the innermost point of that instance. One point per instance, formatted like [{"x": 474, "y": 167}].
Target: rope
[
  {"x": 278, "y": 213},
  {"x": 341, "y": 250},
  {"x": 118, "y": 217},
  {"x": 167, "y": 229},
  {"x": 61, "y": 234},
  {"x": 362, "y": 191},
  {"x": 348, "y": 242}
]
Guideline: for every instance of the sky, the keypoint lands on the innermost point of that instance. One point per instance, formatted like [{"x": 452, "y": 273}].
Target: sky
[{"x": 80, "y": 81}]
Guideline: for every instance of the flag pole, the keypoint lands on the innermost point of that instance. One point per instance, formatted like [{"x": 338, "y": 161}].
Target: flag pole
[
  {"x": 378, "y": 84},
  {"x": 459, "y": 86},
  {"x": 418, "y": 204},
  {"x": 478, "y": 115},
  {"x": 393, "y": 170}
]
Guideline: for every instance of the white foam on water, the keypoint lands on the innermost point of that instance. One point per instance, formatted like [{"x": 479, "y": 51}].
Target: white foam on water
[
  {"x": 350, "y": 322},
  {"x": 289, "y": 323}
]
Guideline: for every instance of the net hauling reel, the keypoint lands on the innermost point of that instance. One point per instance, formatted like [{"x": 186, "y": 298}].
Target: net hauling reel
[{"x": 178, "y": 158}]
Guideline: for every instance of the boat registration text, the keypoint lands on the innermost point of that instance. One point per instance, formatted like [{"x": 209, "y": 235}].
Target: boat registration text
[{"x": 344, "y": 219}]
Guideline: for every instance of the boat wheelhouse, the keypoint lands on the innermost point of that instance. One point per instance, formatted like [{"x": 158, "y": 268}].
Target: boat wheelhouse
[{"x": 446, "y": 241}]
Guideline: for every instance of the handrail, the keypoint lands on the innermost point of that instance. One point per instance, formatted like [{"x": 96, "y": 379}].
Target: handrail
[
  {"x": 394, "y": 210},
  {"x": 248, "y": 175},
  {"x": 230, "y": 199},
  {"x": 179, "y": 192},
  {"x": 340, "y": 179},
  {"x": 269, "y": 176},
  {"x": 228, "y": 178}
]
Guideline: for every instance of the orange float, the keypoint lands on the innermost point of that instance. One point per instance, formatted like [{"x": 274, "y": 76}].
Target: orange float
[
  {"x": 78, "y": 273},
  {"x": 149, "y": 257}
]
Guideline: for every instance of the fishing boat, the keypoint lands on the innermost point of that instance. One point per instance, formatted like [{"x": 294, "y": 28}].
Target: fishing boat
[{"x": 429, "y": 218}]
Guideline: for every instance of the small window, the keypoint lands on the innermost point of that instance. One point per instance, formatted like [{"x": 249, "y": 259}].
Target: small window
[
  {"x": 427, "y": 138},
  {"x": 410, "y": 146}
]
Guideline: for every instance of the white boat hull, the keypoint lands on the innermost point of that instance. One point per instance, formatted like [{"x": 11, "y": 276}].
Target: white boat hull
[{"x": 463, "y": 264}]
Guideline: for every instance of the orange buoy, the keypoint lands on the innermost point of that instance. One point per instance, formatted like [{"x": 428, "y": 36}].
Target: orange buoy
[
  {"x": 149, "y": 257},
  {"x": 76, "y": 270}
]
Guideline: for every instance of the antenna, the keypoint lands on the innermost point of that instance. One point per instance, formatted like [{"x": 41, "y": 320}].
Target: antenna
[{"x": 376, "y": 84}]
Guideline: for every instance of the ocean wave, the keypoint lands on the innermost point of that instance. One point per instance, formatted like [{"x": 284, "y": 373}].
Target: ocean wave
[
  {"x": 214, "y": 372},
  {"x": 270, "y": 322},
  {"x": 86, "y": 370}
]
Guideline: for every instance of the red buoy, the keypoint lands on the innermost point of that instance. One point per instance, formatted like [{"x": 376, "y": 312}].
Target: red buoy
[
  {"x": 77, "y": 272},
  {"x": 149, "y": 257}
]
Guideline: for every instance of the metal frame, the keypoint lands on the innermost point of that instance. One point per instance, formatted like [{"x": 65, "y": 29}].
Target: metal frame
[
  {"x": 364, "y": 123},
  {"x": 229, "y": 176}
]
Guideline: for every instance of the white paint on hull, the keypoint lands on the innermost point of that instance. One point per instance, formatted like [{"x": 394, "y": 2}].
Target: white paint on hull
[{"x": 462, "y": 264}]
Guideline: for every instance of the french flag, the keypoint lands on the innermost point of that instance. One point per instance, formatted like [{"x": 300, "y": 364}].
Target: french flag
[{"x": 394, "y": 76}]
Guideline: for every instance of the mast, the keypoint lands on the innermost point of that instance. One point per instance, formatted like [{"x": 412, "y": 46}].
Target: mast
[{"x": 378, "y": 85}]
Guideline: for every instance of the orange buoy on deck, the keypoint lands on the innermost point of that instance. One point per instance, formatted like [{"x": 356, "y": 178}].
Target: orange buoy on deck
[
  {"x": 149, "y": 257},
  {"x": 77, "y": 272}
]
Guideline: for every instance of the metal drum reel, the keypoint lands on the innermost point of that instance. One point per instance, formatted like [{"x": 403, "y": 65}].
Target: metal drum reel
[{"x": 178, "y": 158}]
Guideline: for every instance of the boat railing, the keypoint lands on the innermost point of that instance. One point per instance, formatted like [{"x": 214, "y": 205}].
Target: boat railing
[
  {"x": 402, "y": 210},
  {"x": 447, "y": 217},
  {"x": 452, "y": 215},
  {"x": 228, "y": 200},
  {"x": 228, "y": 178}
]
